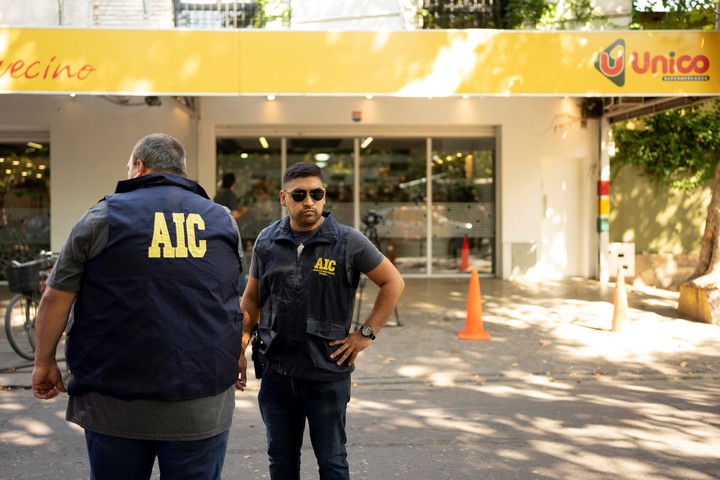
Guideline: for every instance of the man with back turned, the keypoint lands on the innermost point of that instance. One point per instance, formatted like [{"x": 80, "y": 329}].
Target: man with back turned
[{"x": 146, "y": 288}]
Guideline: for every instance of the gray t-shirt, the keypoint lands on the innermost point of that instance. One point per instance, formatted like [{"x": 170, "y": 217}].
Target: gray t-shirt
[{"x": 139, "y": 419}]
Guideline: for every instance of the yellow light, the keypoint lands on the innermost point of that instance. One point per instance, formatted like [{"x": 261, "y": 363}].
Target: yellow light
[
  {"x": 24, "y": 174},
  {"x": 38, "y": 175},
  {"x": 8, "y": 171},
  {"x": 16, "y": 162},
  {"x": 264, "y": 142},
  {"x": 34, "y": 145},
  {"x": 42, "y": 167}
]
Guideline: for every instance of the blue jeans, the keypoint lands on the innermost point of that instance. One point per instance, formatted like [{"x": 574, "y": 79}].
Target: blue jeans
[
  {"x": 120, "y": 458},
  {"x": 285, "y": 403}
]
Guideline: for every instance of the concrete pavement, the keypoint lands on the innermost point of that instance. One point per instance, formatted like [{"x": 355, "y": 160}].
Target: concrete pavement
[{"x": 552, "y": 395}]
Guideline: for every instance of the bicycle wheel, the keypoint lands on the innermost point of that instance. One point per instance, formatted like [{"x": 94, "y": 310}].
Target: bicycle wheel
[{"x": 20, "y": 325}]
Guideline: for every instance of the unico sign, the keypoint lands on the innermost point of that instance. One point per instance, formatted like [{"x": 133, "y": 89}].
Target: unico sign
[{"x": 670, "y": 67}]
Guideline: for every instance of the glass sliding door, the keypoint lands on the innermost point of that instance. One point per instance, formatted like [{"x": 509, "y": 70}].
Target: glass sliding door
[
  {"x": 463, "y": 206},
  {"x": 255, "y": 161},
  {"x": 400, "y": 180},
  {"x": 393, "y": 190}
]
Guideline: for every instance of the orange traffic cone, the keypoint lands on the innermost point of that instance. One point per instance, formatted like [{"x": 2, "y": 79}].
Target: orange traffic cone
[
  {"x": 620, "y": 302},
  {"x": 391, "y": 251},
  {"x": 465, "y": 256},
  {"x": 473, "y": 324}
]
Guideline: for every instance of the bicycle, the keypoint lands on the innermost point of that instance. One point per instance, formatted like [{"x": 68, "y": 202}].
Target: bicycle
[{"x": 27, "y": 279}]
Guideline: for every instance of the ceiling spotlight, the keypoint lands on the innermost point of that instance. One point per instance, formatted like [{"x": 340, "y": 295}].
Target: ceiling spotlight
[
  {"x": 270, "y": 98},
  {"x": 366, "y": 142},
  {"x": 153, "y": 101}
]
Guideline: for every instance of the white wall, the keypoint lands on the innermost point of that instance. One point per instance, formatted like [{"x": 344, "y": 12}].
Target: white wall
[
  {"x": 87, "y": 13},
  {"x": 90, "y": 143},
  {"x": 355, "y": 15}
]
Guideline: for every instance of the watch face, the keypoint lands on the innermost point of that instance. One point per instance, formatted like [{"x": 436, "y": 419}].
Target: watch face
[{"x": 366, "y": 331}]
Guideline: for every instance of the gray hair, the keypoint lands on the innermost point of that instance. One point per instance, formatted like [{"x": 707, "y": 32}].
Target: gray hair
[{"x": 161, "y": 153}]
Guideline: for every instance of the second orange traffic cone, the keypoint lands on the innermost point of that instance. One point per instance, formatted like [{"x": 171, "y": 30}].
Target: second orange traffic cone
[
  {"x": 620, "y": 302},
  {"x": 474, "y": 324},
  {"x": 465, "y": 256}
]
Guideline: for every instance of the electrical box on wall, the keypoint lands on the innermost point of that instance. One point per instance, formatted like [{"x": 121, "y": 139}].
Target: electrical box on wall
[{"x": 621, "y": 255}]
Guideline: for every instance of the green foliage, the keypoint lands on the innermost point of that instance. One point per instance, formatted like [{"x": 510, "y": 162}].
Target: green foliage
[
  {"x": 512, "y": 15},
  {"x": 675, "y": 15},
  {"x": 679, "y": 148},
  {"x": 524, "y": 14},
  {"x": 570, "y": 14},
  {"x": 270, "y": 11}
]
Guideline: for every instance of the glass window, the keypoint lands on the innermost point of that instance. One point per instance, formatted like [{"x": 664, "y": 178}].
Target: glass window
[
  {"x": 393, "y": 199},
  {"x": 463, "y": 186},
  {"x": 24, "y": 201},
  {"x": 393, "y": 193}
]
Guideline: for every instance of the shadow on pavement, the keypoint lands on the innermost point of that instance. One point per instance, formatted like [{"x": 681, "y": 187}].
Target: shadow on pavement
[{"x": 553, "y": 395}]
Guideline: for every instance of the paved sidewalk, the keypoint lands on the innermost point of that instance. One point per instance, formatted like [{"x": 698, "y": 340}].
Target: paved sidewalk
[{"x": 552, "y": 395}]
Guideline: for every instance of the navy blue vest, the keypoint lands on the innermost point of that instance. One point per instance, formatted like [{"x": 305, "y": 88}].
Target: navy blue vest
[
  {"x": 306, "y": 300},
  {"x": 157, "y": 316}
]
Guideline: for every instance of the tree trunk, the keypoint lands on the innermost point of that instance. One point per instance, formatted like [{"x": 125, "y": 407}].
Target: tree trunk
[{"x": 700, "y": 294}]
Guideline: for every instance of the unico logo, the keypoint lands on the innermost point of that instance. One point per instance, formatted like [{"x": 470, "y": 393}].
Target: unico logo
[
  {"x": 611, "y": 62},
  {"x": 673, "y": 67}
]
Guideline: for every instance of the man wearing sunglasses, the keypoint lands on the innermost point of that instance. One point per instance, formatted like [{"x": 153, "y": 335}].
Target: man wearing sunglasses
[{"x": 304, "y": 272}]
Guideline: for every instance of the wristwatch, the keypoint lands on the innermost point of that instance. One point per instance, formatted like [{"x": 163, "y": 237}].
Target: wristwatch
[{"x": 366, "y": 331}]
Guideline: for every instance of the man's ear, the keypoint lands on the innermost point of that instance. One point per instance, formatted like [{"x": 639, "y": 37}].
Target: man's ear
[{"x": 142, "y": 169}]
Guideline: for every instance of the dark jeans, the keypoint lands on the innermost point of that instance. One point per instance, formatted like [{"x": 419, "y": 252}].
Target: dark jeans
[
  {"x": 119, "y": 458},
  {"x": 285, "y": 403}
]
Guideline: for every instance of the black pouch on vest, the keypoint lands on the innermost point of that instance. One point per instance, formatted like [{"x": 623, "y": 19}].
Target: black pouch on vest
[{"x": 256, "y": 342}]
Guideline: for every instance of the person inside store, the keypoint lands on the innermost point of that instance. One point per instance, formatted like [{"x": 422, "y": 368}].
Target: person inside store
[
  {"x": 227, "y": 197},
  {"x": 304, "y": 273},
  {"x": 146, "y": 288}
]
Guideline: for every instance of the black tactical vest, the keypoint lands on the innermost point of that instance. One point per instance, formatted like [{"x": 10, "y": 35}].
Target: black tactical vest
[{"x": 157, "y": 316}]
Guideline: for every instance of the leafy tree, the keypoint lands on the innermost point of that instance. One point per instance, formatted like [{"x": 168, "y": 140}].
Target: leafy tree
[
  {"x": 675, "y": 15},
  {"x": 510, "y": 14},
  {"x": 681, "y": 148},
  {"x": 678, "y": 148}
]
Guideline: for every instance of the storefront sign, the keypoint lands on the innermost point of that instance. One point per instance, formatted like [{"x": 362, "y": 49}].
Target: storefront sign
[{"x": 412, "y": 63}]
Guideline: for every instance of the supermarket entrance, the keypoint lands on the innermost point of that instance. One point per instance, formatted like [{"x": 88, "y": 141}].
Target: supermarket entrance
[{"x": 431, "y": 200}]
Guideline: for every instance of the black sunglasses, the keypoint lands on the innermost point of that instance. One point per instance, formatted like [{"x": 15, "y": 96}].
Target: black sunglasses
[{"x": 316, "y": 194}]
